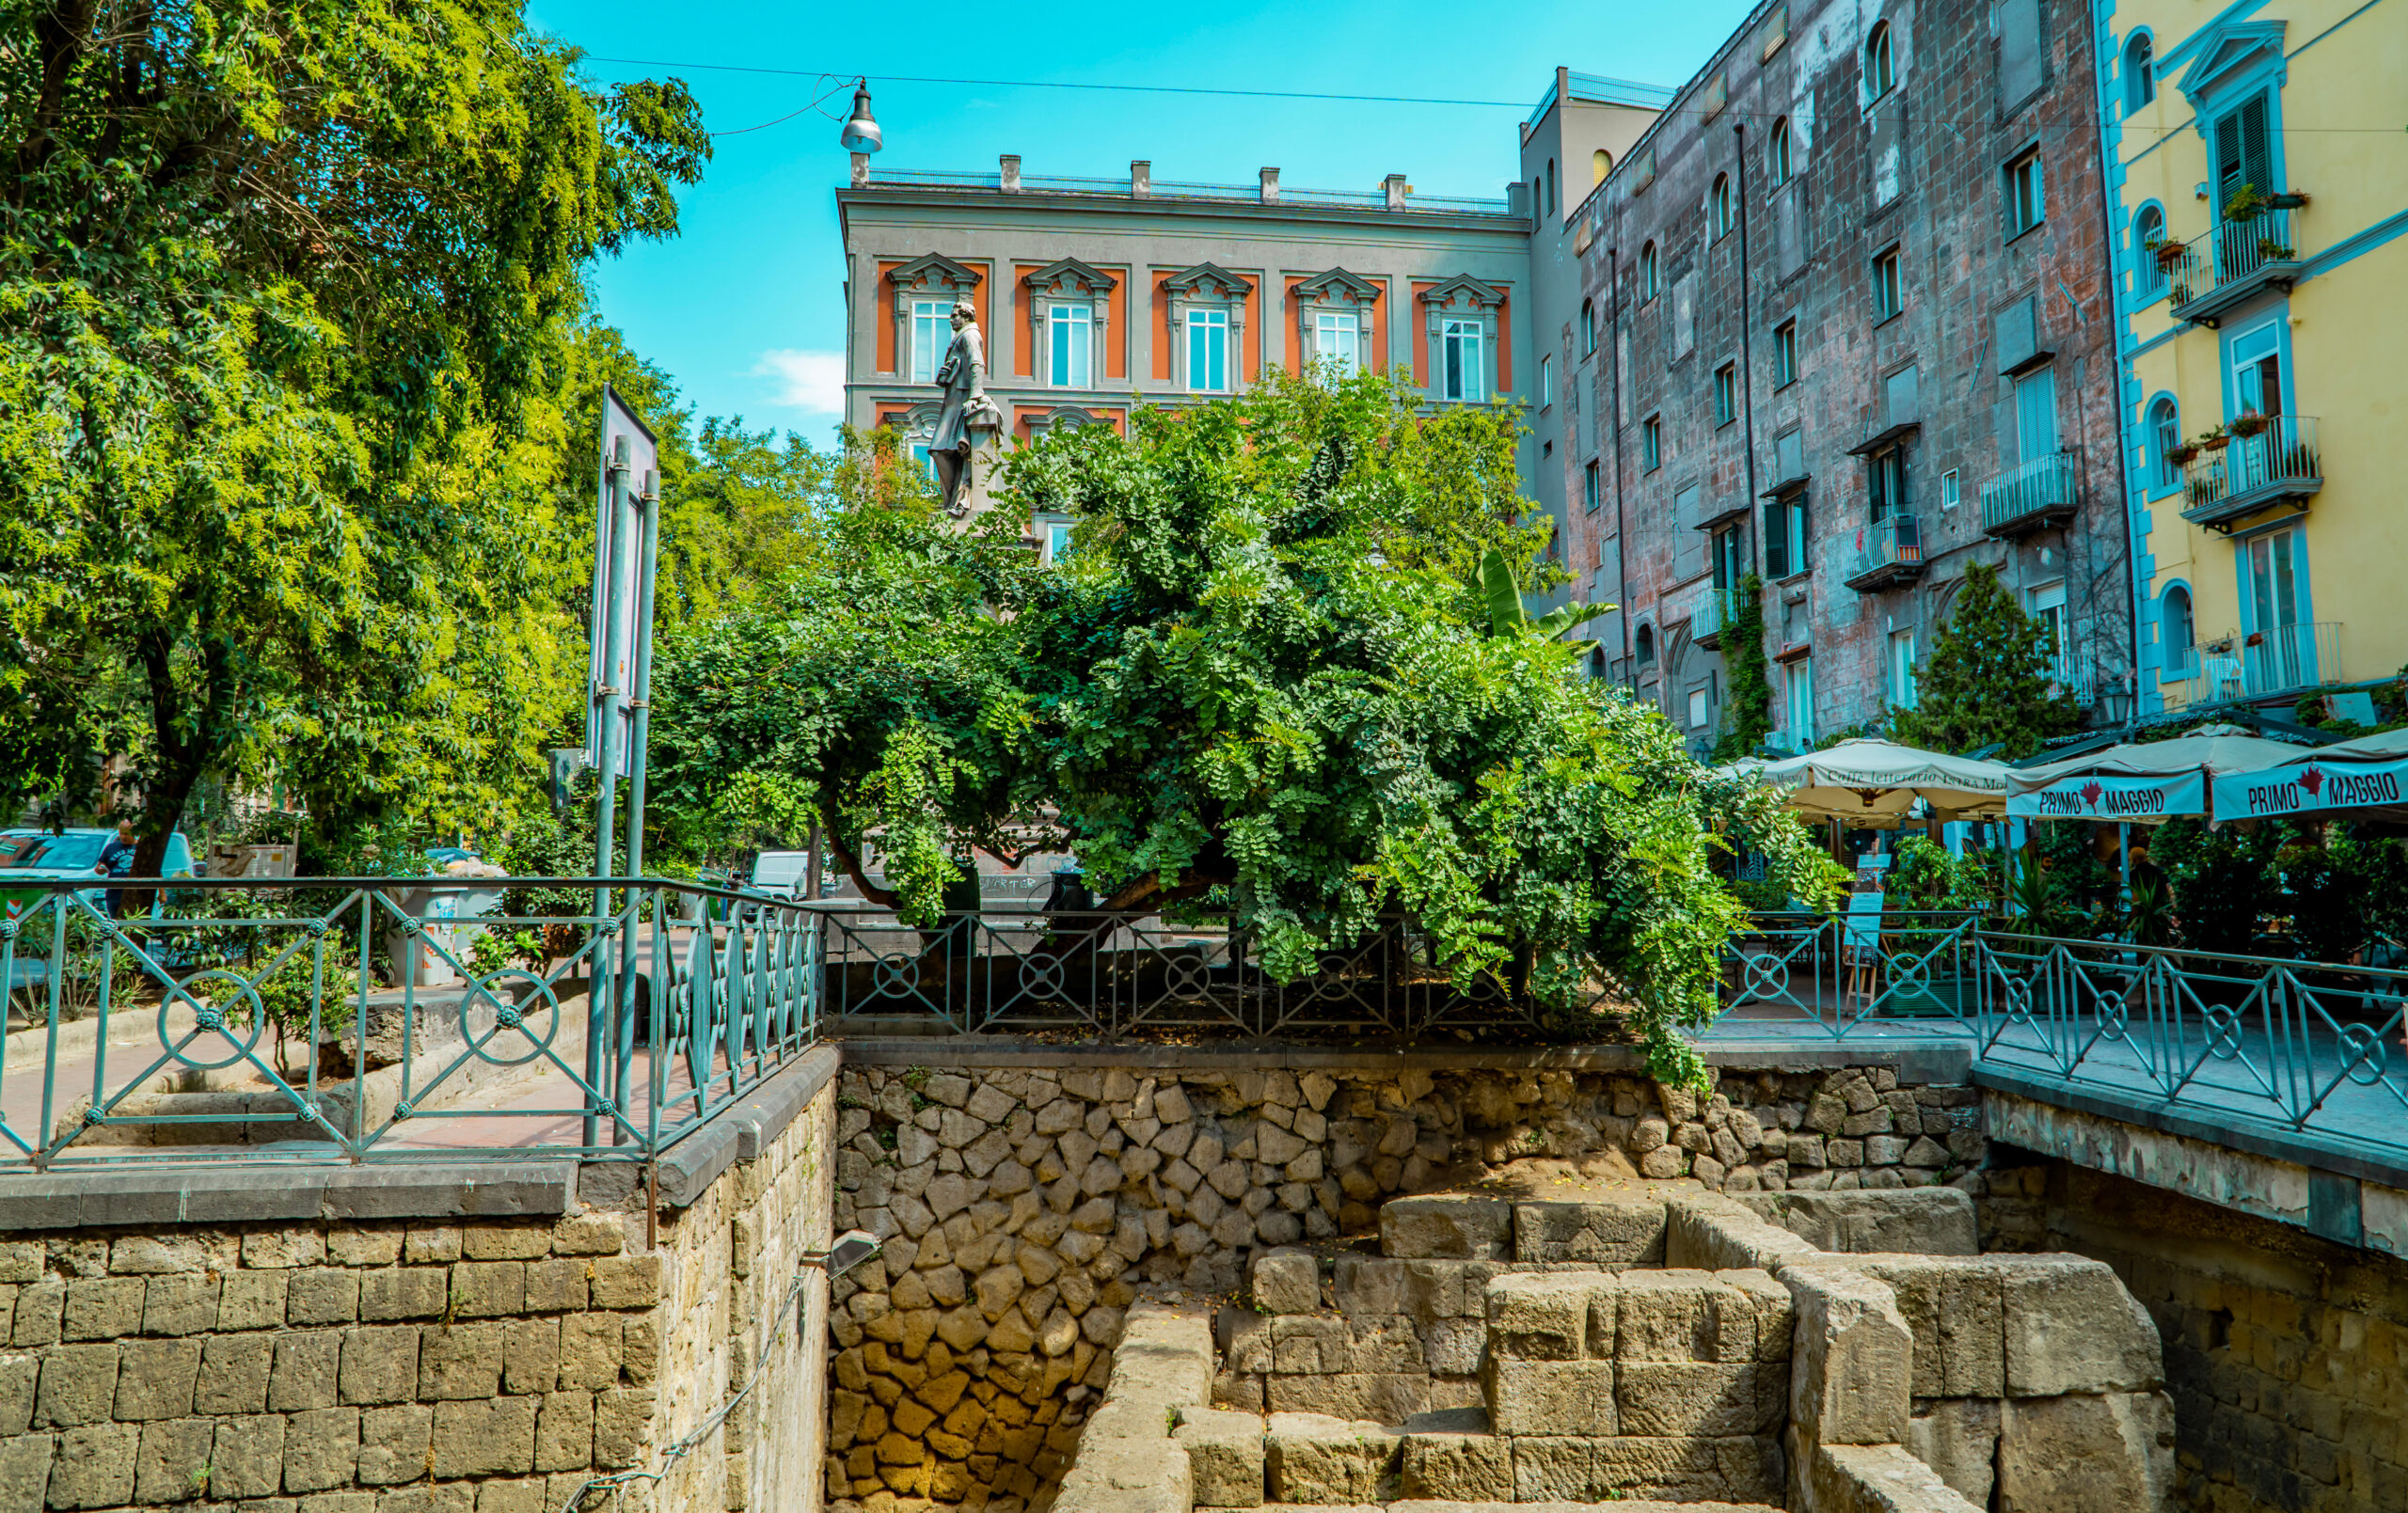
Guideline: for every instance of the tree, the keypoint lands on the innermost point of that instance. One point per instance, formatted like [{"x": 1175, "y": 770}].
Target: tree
[
  {"x": 1271, "y": 682},
  {"x": 287, "y": 318},
  {"x": 1989, "y": 679},
  {"x": 1743, "y": 660}
]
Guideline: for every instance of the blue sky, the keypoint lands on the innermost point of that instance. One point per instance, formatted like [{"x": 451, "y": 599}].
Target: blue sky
[{"x": 744, "y": 308}]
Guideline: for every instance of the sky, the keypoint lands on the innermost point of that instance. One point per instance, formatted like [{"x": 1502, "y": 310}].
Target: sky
[{"x": 744, "y": 308}]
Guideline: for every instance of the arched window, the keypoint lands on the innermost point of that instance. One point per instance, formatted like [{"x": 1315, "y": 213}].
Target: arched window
[
  {"x": 2174, "y": 625},
  {"x": 1647, "y": 646},
  {"x": 2165, "y": 434},
  {"x": 1779, "y": 151},
  {"x": 2148, "y": 229},
  {"x": 1601, "y": 163},
  {"x": 1551, "y": 186},
  {"x": 1647, "y": 273},
  {"x": 1718, "y": 206},
  {"x": 1597, "y": 661},
  {"x": 2140, "y": 72},
  {"x": 1587, "y": 326},
  {"x": 1879, "y": 73}
]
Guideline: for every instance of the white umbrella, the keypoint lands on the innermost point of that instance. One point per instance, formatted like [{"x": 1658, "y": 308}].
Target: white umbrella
[
  {"x": 2145, "y": 782},
  {"x": 1871, "y": 783},
  {"x": 2370, "y": 772}
]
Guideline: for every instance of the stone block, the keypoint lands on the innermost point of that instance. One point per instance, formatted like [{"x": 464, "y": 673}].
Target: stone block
[
  {"x": 530, "y": 1355},
  {"x": 94, "y": 1467},
  {"x": 1698, "y": 1397},
  {"x": 564, "y": 1431},
  {"x": 1542, "y": 1316},
  {"x": 1958, "y": 1438},
  {"x": 171, "y": 1461},
  {"x": 622, "y": 1423},
  {"x": 25, "y": 1471},
  {"x": 180, "y": 1304},
  {"x": 103, "y": 1308},
  {"x": 1550, "y": 1397},
  {"x": 460, "y": 1363},
  {"x": 1225, "y": 1457},
  {"x": 2084, "y": 1453},
  {"x": 1628, "y": 1233},
  {"x": 432, "y": 1246},
  {"x": 365, "y": 1247},
  {"x": 488, "y": 1289},
  {"x": 1875, "y": 1478},
  {"x": 1446, "y": 1227},
  {"x": 155, "y": 1379},
  {"x": 246, "y": 1456},
  {"x": 321, "y": 1449},
  {"x": 394, "y": 1443},
  {"x": 379, "y": 1364},
  {"x": 1682, "y": 1316},
  {"x": 590, "y": 1350},
  {"x": 495, "y": 1437},
  {"x": 1676, "y": 1470},
  {"x": 1284, "y": 1282},
  {"x": 504, "y": 1242},
  {"x": 390, "y": 1293},
  {"x": 1906, "y": 1222},
  {"x": 1456, "y": 1346},
  {"x": 78, "y": 1386},
  {"x": 281, "y": 1249},
  {"x": 501, "y": 1496},
  {"x": 1854, "y": 1366},
  {"x": 322, "y": 1295},
  {"x": 1715, "y": 1233},
  {"x": 2071, "y": 1326},
  {"x": 235, "y": 1370},
  {"x": 1955, "y": 1306},
  {"x": 1555, "y": 1470},
  {"x": 252, "y": 1299},
  {"x": 36, "y": 1320},
  {"x": 1314, "y": 1458},
  {"x": 626, "y": 1281},
  {"x": 556, "y": 1286},
  {"x": 1382, "y": 1397},
  {"x": 1450, "y": 1455},
  {"x": 18, "y": 1375}
]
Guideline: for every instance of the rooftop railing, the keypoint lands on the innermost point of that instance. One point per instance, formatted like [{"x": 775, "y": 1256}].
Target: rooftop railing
[{"x": 1175, "y": 189}]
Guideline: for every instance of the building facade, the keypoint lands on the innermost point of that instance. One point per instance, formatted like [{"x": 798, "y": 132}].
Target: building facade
[
  {"x": 2261, "y": 282},
  {"x": 1846, "y": 327},
  {"x": 1096, "y": 296}
]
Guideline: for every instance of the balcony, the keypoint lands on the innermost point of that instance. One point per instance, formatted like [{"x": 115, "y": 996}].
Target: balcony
[
  {"x": 2040, "y": 495},
  {"x": 1887, "y": 554},
  {"x": 2232, "y": 264},
  {"x": 1711, "y": 618},
  {"x": 2266, "y": 664},
  {"x": 2280, "y": 463}
]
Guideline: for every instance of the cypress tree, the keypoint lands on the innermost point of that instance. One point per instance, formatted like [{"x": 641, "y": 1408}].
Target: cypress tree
[{"x": 1988, "y": 680}]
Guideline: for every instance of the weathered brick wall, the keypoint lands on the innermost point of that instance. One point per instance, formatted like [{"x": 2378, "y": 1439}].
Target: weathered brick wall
[{"x": 1029, "y": 1206}]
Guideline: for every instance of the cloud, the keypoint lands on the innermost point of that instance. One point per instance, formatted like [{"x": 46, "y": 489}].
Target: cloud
[{"x": 813, "y": 381}]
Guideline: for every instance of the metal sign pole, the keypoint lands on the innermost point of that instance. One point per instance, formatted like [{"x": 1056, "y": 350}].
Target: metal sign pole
[
  {"x": 607, "y": 695},
  {"x": 648, "y": 505}
]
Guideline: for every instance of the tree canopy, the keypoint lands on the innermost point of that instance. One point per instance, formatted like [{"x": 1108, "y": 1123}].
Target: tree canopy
[
  {"x": 1988, "y": 682},
  {"x": 1270, "y": 680}
]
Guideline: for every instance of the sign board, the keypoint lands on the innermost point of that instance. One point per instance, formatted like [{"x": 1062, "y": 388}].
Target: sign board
[
  {"x": 616, "y": 521},
  {"x": 2143, "y": 800},
  {"x": 2310, "y": 787}
]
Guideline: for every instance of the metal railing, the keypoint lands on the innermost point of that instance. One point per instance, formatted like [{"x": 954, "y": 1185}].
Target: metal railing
[
  {"x": 2044, "y": 486},
  {"x": 601, "y": 1018},
  {"x": 2260, "y": 664},
  {"x": 2278, "y": 460},
  {"x": 1121, "y": 188},
  {"x": 2230, "y": 254},
  {"x": 1886, "y": 551},
  {"x": 1712, "y": 616},
  {"x": 2236, "y": 1042}
]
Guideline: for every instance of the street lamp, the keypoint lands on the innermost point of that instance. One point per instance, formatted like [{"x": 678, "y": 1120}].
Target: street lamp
[{"x": 861, "y": 132}]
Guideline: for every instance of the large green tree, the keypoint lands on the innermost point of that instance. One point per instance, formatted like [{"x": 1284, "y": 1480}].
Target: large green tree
[
  {"x": 289, "y": 347},
  {"x": 1990, "y": 679},
  {"x": 1270, "y": 680}
]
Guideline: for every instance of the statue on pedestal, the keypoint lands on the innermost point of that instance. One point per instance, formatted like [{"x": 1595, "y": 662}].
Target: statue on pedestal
[{"x": 962, "y": 375}]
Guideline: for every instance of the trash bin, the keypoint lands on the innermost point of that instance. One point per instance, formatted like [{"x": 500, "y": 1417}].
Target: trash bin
[{"x": 447, "y": 915}]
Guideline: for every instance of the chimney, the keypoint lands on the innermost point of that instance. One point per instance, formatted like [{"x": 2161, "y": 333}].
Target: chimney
[
  {"x": 1010, "y": 161},
  {"x": 1141, "y": 179},
  {"x": 1517, "y": 198},
  {"x": 861, "y": 170},
  {"x": 1270, "y": 187},
  {"x": 1394, "y": 184}
]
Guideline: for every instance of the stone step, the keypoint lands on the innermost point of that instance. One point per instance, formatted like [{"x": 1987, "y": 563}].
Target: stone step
[{"x": 1428, "y": 1505}]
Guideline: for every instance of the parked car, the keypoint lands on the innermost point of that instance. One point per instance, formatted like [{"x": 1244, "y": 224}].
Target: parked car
[
  {"x": 784, "y": 875},
  {"x": 28, "y": 856}
]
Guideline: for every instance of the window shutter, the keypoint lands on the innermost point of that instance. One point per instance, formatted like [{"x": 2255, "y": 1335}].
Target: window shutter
[
  {"x": 2243, "y": 155},
  {"x": 2019, "y": 334},
  {"x": 1789, "y": 231},
  {"x": 1776, "y": 539},
  {"x": 1689, "y": 543},
  {"x": 2020, "y": 63},
  {"x": 1789, "y": 456},
  {"x": 1685, "y": 315}
]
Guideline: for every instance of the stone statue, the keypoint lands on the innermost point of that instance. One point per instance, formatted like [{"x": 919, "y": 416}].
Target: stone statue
[{"x": 964, "y": 377}]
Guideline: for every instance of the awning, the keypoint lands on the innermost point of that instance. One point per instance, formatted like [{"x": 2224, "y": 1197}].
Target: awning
[
  {"x": 1871, "y": 783},
  {"x": 2145, "y": 782},
  {"x": 2369, "y": 773}
]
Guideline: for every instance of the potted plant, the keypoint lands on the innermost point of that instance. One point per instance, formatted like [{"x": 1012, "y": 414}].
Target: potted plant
[
  {"x": 2256, "y": 637},
  {"x": 2168, "y": 252},
  {"x": 2291, "y": 200},
  {"x": 2271, "y": 251},
  {"x": 2214, "y": 439},
  {"x": 2249, "y": 423},
  {"x": 2180, "y": 454},
  {"x": 2246, "y": 204}
]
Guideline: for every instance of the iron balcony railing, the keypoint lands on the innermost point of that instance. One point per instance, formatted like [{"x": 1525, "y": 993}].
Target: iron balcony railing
[
  {"x": 2224, "y": 266},
  {"x": 2277, "y": 461},
  {"x": 2040, "y": 493},
  {"x": 2281, "y": 660},
  {"x": 1886, "y": 554},
  {"x": 1711, "y": 617}
]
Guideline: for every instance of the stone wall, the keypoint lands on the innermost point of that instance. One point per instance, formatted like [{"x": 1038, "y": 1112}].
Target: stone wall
[
  {"x": 400, "y": 1341},
  {"x": 1029, "y": 1203}
]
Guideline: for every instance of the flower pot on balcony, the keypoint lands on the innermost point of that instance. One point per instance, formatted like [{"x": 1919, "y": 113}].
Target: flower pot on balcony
[
  {"x": 2181, "y": 456},
  {"x": 2218, "y": 441},
  {"x": 2296, "y": 199},
  {"x": 2249, "y": 423},
  {"x": 2257, "y": 637},
  {"x": 2273, "y": 251},
  {"x": 2169, "y": 253}
]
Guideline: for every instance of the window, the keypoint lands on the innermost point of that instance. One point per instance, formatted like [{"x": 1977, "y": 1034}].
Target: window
[
  {"x": 1726, "y": 395},
  {"x": 1547, "y": 380},
  {"x": 1698, "y": 711},
  {"x": 1887, "y": 477},
  {"x": 1336, "y": 341},
  {"x": 1646, "y": 646},
  {"x": 1587, "y": 326},
  {"x": 1784, "y": 355},
  {"x": 2165, "y": 434},
  {"x": 1902, "y": 669},
  {"x": 1647, "y": 276},
  {"x": 1600, "y": 164},
  {"x": 2175, "y": 627},
  {"x": 920, "y": 455},
  {"x": 1057, "y": 540},
  {"x": 1073, "y": 344},
  {"x": 1802, "y": 703},
  {"x": 2242, "y": 154},
  {"x": 2148, "y": 229},
  {"x": 1885, "y": 286},
  {"x": 2285, "y": 654},
  {"x": 1651, "y": 444},
  {"x": 1591, "y": 495},
  {"x": 2025, "y": 208},
  {"x": 1208, "y": 350},
  {"x": 2035, "y": 415},
  {"x": 2140, "y": 72},
  {"x": 1951, "y": 492},
  {"x": 1779, "y": 152},
  {"x": 2047, "y": 605},
  {"x": 1718, "y": 206},
  {"x": 1785, "y": 535},
  {"x": 1880, "y": 75},
  {"x": 1461, "y": 374},
  {"x": 1551, "y": 186},
  {"x": 931, "y": 333}
]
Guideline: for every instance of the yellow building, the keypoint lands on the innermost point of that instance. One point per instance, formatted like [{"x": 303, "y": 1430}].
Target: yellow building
[{"x": 2257, "y": 196}]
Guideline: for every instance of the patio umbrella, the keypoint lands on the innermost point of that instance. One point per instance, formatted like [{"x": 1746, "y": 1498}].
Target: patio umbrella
[
  {"x": 1870, "y": 784},
  {"x": 2146, "y": 783},
  {"x": 2368, "y": 773}
]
